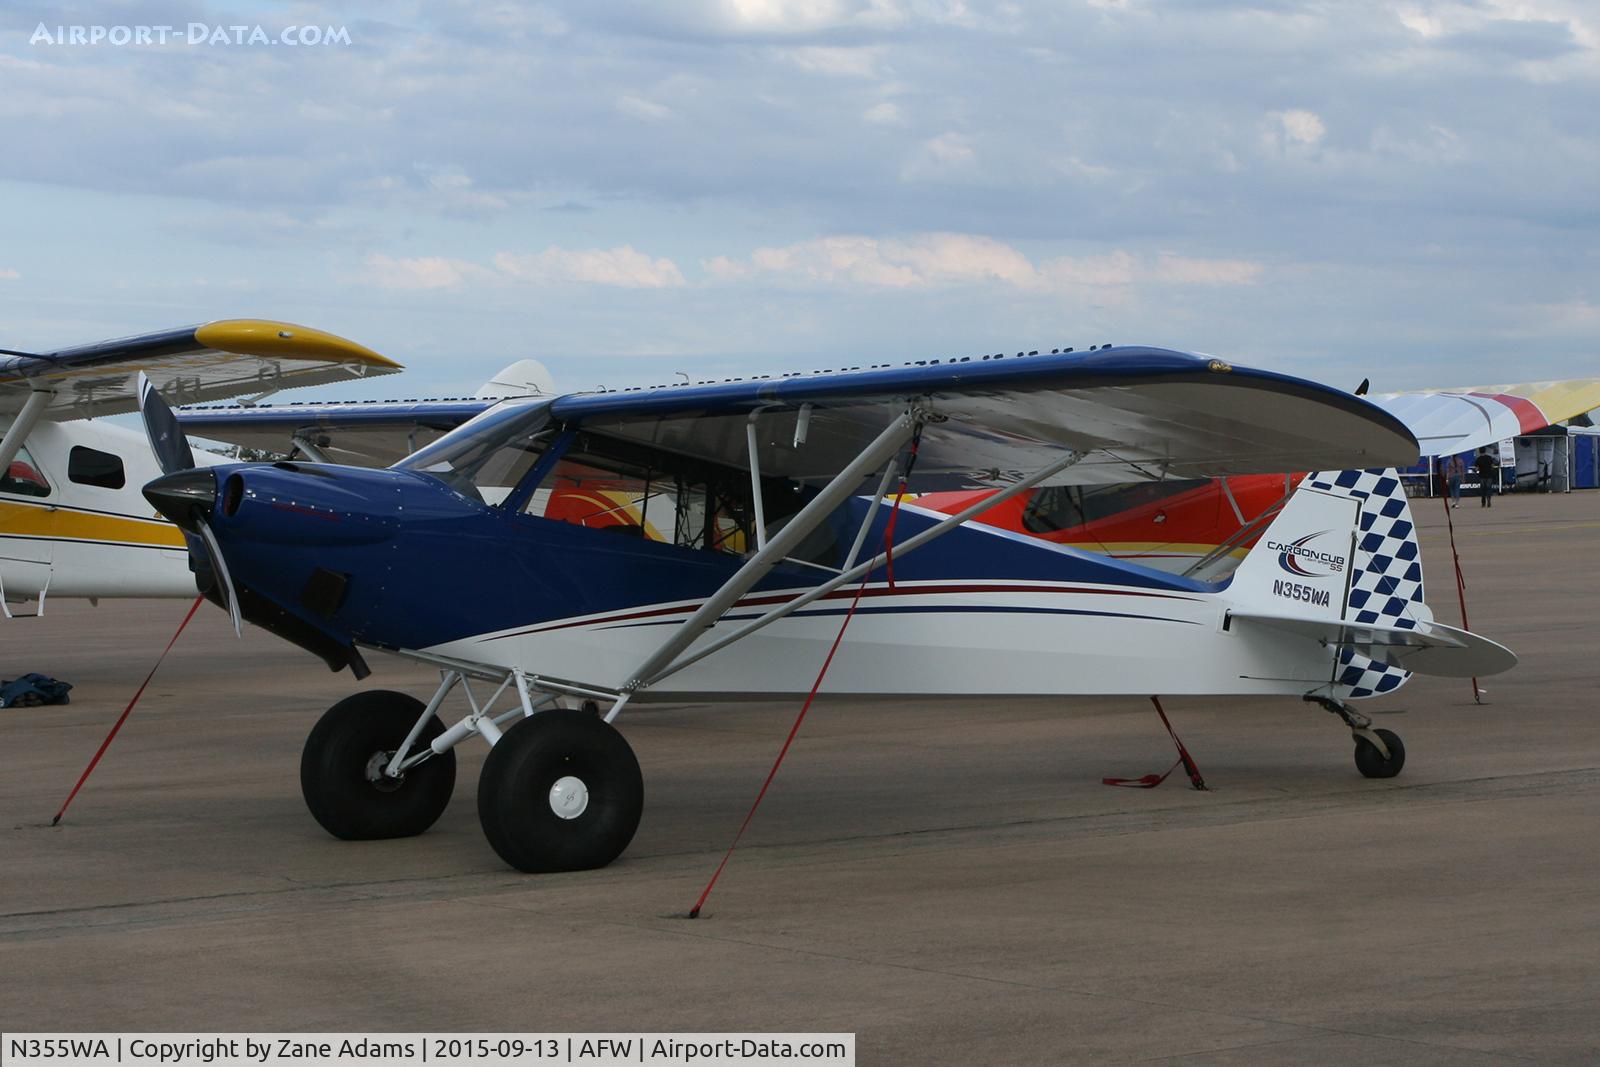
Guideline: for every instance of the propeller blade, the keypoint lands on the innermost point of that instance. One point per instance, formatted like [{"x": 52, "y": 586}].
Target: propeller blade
[
  {"x": 167, "y": 441},
  {"x": 224, "y": 579}
]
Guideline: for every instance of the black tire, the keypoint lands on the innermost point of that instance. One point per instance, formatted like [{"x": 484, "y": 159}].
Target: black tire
[
  {"x": 514, "y": 793},
  {"x": 1371, "y": 762},
  {"x": 334, "y": 769}
]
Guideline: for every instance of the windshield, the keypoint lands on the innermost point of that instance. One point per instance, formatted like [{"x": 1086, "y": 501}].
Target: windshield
[{"x": 487, "y": 456}]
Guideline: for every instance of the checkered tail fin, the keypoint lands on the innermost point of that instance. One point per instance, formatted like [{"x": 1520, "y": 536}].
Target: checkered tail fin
[
  {"x": 1386, "y": 583},
  {"x": 1343, "y": 551}
]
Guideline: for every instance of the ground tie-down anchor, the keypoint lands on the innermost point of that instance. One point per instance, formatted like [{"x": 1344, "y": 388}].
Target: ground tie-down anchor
[{"x": 1186, "y": 761}]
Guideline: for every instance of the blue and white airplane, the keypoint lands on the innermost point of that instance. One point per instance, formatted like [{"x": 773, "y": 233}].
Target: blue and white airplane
[{"x": 711, "y": 542}]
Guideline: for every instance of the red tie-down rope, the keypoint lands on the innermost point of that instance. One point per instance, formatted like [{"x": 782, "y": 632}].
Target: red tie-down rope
[
  {"x": 1150, "y": 781},
  {"x": 1461, "y": 586},
  {"x": 794, "y": 731},
  {"x": 101, "y": 751}
]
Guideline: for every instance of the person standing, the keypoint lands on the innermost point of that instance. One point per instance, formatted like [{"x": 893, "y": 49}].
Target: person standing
[
  {"x": 1488, "y": 468},
  {"x": 1454, "y": 471}
]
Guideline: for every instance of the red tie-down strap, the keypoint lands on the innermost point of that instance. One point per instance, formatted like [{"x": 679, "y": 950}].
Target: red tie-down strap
[
  {"x": 1150, "y": 781},
  {"x": 101, "y": 751},
  {"x": 838, "y": 638}
]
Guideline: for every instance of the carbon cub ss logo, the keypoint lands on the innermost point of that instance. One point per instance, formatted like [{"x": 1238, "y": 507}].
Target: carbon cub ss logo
[{"x": 1302, "y": 561}]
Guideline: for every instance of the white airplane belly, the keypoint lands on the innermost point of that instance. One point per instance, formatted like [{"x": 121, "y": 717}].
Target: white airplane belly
[{"x": 1061, "y": 640}]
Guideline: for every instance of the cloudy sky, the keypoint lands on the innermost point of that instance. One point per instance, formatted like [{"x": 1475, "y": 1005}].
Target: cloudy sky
[{"x": 628, "y": 189}]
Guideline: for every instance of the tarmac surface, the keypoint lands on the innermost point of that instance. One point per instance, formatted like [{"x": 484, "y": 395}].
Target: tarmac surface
[{"x": 948, "y": 880}]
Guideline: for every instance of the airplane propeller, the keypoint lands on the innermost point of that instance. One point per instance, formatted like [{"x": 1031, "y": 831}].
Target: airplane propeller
[{"x": 184, "y": 493}]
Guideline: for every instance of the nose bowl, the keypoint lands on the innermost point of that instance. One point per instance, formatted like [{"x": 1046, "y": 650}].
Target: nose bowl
[{"x": 185, "y": 497}]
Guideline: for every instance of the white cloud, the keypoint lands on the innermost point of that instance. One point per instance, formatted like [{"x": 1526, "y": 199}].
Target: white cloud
[
  {"x": 454, "y": 189},
  {"x": 807, "y": 16},
  {"x": 1079, "y": 168},
  {"x": 886, "y": 113},
  {"x": 861, "y": 62},
  {"x": 919, "y": 262},
  {"x": 640, "y": 108},
  {"x": 418, "y": 273},
  {"x": 944, "y": 260},
  {"x": 949, "y": 149},
  {"x": 1186, "y": 270},
  {"x": 1298, "y": 125},
  {"x": 947, "y": 154},
  {"x": 625, "y": 267}
]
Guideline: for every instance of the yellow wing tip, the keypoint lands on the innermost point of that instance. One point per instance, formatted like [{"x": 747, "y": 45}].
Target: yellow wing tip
[{"x": 286, "y": 340}]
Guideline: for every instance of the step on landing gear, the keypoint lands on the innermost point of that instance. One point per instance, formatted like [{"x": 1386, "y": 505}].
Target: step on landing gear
[{"x": 1379, "y": 753}]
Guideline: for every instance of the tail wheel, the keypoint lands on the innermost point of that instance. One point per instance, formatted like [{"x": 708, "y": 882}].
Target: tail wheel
[
  {"x": 1372, "y": 763},
  {"x": 342, "y": 765},
  {"x": 560, "y": 791}
]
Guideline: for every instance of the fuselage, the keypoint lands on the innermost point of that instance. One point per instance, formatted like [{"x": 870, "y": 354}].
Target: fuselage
[
  {"x": 73, "y": 521},
  {"x": 334, "y": 558}
]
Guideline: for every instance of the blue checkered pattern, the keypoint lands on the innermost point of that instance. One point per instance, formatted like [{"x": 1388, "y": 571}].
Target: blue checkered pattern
[{"x": 1387, "y": 588}]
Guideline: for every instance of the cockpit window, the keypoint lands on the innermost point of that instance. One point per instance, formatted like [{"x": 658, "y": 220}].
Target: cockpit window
[
  {"x": 487, "y": 456},
  {"x": 630, "y": 489},
  {"x": 23, "y": 477}
]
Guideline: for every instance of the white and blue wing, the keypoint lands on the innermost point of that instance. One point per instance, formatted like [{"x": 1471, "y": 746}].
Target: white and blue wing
[{"x": 1135, "y": 413}]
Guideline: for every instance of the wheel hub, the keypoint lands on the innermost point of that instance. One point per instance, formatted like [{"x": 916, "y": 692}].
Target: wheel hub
[
  {"x": 569, "y": 796},
  {"x": 376, "y": 767}
]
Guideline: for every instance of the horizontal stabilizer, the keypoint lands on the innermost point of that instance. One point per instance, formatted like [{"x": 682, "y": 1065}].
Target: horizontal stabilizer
[{"x": 1426, "y": 648}]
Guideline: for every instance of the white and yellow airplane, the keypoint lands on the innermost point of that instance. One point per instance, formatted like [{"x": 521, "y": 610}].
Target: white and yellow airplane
[{"x": 72, "y": 519}]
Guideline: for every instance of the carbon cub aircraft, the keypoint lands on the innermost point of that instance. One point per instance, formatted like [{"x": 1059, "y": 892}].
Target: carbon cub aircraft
[{"x": 742, "y": 523}]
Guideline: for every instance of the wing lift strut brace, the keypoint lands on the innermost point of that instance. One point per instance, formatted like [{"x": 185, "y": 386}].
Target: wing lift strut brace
[
  {"x": 23, "y": 424},
  {"x": 673, "y": 655},
  {"x": 15, "y": 436}
]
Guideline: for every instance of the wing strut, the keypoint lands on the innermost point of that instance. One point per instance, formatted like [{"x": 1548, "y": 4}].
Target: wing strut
[
  {"x": 23, "y": 425},
  {"x": 755, "y": 481},
  {"x": 666, "y": 666},
  {"x": 836, "y": 492}
]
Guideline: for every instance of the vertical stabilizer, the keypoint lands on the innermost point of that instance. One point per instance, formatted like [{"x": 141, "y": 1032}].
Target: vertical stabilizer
[
  {"x": 1301, "y": 565},
  {"x": 1350, "y": 531}
]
